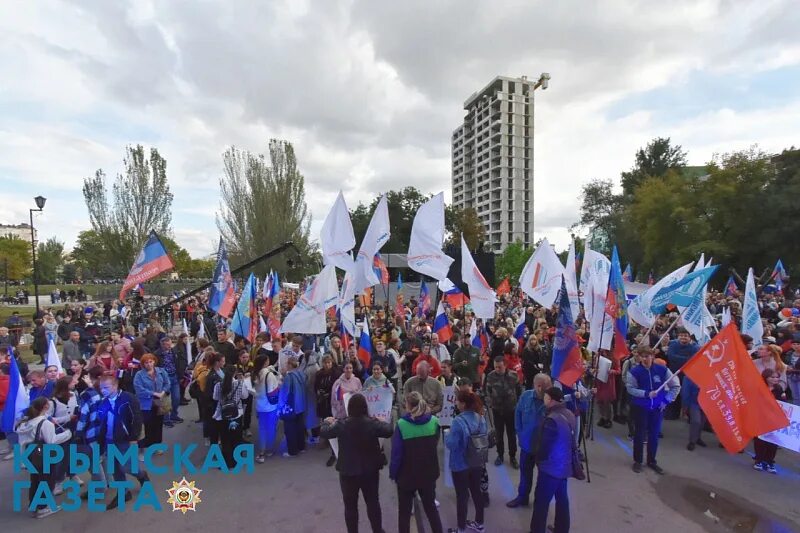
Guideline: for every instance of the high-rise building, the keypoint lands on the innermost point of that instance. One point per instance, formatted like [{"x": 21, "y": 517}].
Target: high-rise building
[{"x": 492, "y": 159}]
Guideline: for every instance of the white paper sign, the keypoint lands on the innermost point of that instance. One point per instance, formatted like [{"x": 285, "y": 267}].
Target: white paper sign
[
  {"x": 603, "y": 367},
  {"x": 448, "y": 412},
  {"x": 379, "y": 405},
  {"x": 788, "y": 437}
]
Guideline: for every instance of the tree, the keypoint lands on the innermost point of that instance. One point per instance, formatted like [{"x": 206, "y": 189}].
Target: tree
[
  {"x": 402, "y": 206},
  {"x": 91, "y": 257},
  {"x": 464, "y": 221},
  {"x": 15, "y": 258},
  {"x": 141, "y": 201},
  {"x": 600, "y": 208},
  {"x": 511, "y": 262},
  {"x": 263, "y": 205},
  {"x": 654, "y": 160},
  {"x": 49, "y": 259}
]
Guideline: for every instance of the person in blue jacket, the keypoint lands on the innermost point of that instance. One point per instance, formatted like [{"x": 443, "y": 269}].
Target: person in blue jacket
[
  {"x": 651, "y": 388},
  {"x": 697, "y": 419},
  {"x": 466, "y": 477},
  {"x": 528, "y": 416},
  {"x": 679, "y": 351}
]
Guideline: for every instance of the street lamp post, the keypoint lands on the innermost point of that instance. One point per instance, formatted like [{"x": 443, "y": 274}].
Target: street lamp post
[{"x": 40, "y": 200}]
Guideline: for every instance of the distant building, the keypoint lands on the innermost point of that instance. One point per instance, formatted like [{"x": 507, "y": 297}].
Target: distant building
[
  {"x": 492, "y": 160},
  {"x": 21, "y": 231}
]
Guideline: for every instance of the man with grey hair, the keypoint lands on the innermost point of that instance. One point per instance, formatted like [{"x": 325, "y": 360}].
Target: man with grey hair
[
  {"x": 439, "y": 350},
  {"x": 428, "y": 387}
]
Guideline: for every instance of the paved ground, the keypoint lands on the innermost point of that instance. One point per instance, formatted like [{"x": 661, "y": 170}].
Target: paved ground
[{"x": 302, "y": 495}]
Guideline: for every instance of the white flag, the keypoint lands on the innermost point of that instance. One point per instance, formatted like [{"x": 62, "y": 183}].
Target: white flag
[
  {"x": 377, "y": 235},
  {"x": 201, "y": 334},
  {"x": 639, "y": 308},
  {"x": 726, "y": 316},
  {"x": 595, "y": 271},
  {"x": 346, "y": 305},
  {"x": 751, "y": 318},
  {"x": 188, "y": 342},
  {"x": 695, "y": 318},
  {"x": 425, "y": 253},
  {"x": 308, "y": 315},
  {"x": 337, "y": 238},
  {"x": 53, "y": 359},
  {"x": 601, "y": 326},
  {"x": 481, "y": 295},
  {"x": 572, "y": 282},
  {"x": 541, "y": 277},
  {"x": 445, "y": 285}
]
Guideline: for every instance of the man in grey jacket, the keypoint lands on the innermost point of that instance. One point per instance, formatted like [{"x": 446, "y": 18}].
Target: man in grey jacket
[{"x": 71, "y": 352}]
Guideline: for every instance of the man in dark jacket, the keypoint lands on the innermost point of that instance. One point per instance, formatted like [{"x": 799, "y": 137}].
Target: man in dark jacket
[
  {"x": 360, "y": 460},
  {"x": 385, "y": 359},
  {"x": 502, "y": 390},
  {"x": 120, "y": 421},
  {"x": 679, "y": 351},
  {"x": 554, "y": 462}
]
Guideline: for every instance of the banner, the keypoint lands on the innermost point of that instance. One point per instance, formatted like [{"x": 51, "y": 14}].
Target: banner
[
  {"x": 732, "y": 394},
  {"x": 448, "y": 412},
  {"x": 337, "y": 238},
  {"x": 308, "y": 315},
  {"x": 639, "y": 310},
  {"x": 789, "y": 436},
  {"x": 379, "y": 402}
]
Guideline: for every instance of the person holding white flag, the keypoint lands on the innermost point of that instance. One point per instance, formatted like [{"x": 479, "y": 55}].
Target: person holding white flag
[
  {"x": 53, "y": 359},
  {"x": 541, "y": 276},
  {"x": 378, "y": 233},
  {"x": 481, "y": 294},
  {"x": 337, "y": 237},
  {"x": 425, "y": 253},
  {"x": 751, "y": 317}
]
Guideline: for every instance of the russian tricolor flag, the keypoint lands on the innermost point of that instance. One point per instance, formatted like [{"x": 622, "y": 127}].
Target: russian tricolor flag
[
  {"x": 17, "y": 399},
  {"x": 441, "y": 324},
  {"x": 519, "y": 331},
  {"x": 365, "y": 344},
  {"x": 151, "y": 261}
]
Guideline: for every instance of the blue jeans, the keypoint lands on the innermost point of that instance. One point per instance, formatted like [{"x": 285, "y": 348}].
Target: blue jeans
[
  {"x": 646, "y": 421},
  {"x": 267, "y": 428},
  {"x": 548, "y": 487},
  {"x": 526, "y": 464},
  {"x": 174, "y": 394}
]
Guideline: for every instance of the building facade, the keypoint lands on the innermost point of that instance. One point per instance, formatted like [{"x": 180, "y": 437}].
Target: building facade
[
  {"x": 20, "y": 231},
  {"x": 492, "y": 160}
]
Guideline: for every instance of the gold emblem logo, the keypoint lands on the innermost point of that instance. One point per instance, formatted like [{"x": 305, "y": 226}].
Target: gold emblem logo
[{"x": 184, "y": 496}]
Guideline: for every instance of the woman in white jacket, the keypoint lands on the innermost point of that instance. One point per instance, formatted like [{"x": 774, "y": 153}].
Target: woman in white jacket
[
  {"x": 266, "y": 382},
  {"x": 35, "y": 427},
  {"x": 63, "y": 412}
]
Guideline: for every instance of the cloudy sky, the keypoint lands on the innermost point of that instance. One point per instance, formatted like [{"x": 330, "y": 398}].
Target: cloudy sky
[{"x": 370, "y": 91}]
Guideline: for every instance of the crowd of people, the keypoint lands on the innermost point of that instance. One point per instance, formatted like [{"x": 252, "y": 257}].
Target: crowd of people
[{"x": 130, "y": 383}]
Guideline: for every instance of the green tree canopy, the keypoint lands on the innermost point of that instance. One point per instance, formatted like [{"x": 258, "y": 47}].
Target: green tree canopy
[
  {"x": 402, "y": 206},
  {"x": 15, "y": 258},
  {"x": 464, "y": 221},
  {"x": 140, "y": 201},
  {"x": 50, "y": 260},
  {"x": 263, "y": 205},
  {"x": 654, "y": 160},
  {"x": 511, "y": 262}
]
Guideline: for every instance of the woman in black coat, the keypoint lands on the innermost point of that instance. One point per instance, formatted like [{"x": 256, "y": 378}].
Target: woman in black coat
[
  {"x": 40, "y": 340},
  {"x": 323, "y": 387},
  {"x": 360, "y": 460}
]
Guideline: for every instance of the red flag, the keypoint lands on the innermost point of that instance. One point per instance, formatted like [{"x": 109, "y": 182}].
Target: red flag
[
  {"x": 733, "y": 395},
  {"x": 504, "y": 287}
]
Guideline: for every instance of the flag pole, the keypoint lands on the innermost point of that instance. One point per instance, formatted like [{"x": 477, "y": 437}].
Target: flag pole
[
  {"x": 597, "y": 361},
  {"x": 674, "y": 322}
]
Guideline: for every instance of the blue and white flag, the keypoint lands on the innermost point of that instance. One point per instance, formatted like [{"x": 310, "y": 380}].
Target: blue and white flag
[
  {"x": 751, "y": 317},
  {"x": 17, "y": 399},
  {"x": 682, "y": 293}
]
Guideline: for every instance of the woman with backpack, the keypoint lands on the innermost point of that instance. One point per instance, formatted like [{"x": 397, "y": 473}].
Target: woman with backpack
[
  {"x": 36, "y": 428},
  {"x": 229, "y": 412},
  {"x": 63, "y": 412},
  {"x": 208, "y": 380},
  {"x": 266, "y": 382},
  {"x": 468, "y": 442}
]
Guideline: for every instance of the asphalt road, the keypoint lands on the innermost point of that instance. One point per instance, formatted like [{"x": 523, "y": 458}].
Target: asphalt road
[{"x": 703, "y": 490}]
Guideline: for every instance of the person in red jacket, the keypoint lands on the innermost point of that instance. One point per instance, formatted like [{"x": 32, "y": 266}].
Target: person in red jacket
[{"x": 436, "y": 367}]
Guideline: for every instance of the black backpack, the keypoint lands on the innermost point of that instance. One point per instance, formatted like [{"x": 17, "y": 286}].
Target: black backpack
[
  {"x": 36, "y": 456},
  {"x": 477, "y": 447},
  {"x": 229, "y": 406}
]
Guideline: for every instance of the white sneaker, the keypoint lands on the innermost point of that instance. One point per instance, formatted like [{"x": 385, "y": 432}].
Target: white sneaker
[
  {"x": 59, "y": 489},
  {"x": 286, "y": 454},
  {"x": 9, "y": 456},
  {"x": 260, "y": 458},
  {"x": 436, "y": 502},
  {"x": 42, "y": 513},
  {"x": 78, "y": 480}
]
